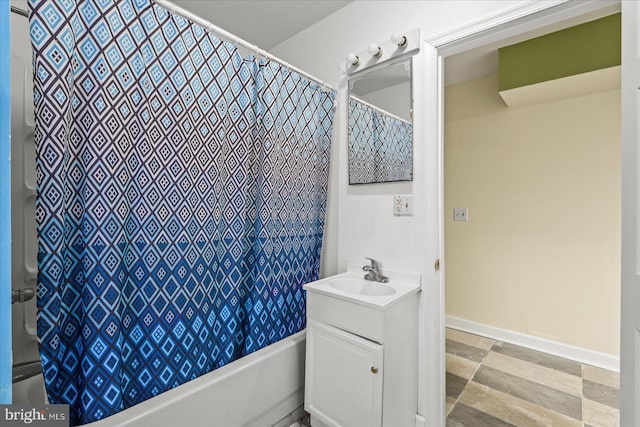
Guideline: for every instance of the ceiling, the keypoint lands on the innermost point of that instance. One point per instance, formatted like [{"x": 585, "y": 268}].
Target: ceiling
[
  {"x": 266, "y": 23},
  {"x": 263, "y": 23}
]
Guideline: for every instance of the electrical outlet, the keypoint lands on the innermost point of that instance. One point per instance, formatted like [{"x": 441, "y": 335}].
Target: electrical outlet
[
  {"x": 460, "y": 214},
  {"x": 403, "y": 205}
]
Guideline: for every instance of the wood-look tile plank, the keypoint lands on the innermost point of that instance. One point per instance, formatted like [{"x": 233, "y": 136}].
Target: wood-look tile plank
[
  {"x": 455, "y": 385},
  {"x": 462, "y": 367},
  {"x": 599, "y": 415},
  {"x": 469, "y": 339},
  {"x": 539, "y": 358},
  {"x": 465, "y": 416},
  {"x": 602, "y": 376},
  {"x": 530, "y": 371},
  {"x": 539, "y": 394},
  {"x": 601, "y": 393},
  {"x": 450, "y": 402},
  {"x": 463, "y": 350},
  {"x": 512, "y": 409}
]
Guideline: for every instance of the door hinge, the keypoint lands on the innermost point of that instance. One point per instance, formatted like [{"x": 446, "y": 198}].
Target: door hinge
[{"x": 437, "y": 265}]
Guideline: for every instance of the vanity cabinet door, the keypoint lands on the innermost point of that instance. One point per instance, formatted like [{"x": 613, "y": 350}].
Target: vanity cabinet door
[{"x": 343, "y": 380}]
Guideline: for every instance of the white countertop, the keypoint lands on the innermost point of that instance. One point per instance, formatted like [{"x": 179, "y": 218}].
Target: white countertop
[{"x": 403, "y": 283}]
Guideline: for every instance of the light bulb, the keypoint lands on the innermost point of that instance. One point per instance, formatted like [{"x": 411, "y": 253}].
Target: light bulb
[
  {"x": 399, "y": 39},
  {"x": 352, "y": 58},
  {"x": 375, "y": 50}
]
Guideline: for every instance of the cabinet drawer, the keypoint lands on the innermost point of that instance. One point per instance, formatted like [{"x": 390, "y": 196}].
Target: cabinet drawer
[{"x": 357, "y": 319}]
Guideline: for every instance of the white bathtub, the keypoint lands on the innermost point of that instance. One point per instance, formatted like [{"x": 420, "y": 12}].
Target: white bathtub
[
  {"x": 258, "y": 390},
  {"x": 261, "y": 389}
]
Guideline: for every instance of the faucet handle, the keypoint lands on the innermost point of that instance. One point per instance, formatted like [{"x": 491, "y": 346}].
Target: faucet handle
[{"x": 374, "y": 263}]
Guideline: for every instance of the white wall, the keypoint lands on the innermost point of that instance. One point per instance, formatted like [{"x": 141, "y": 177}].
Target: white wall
[
  {"x": 322, "y": 48},
  {"x": 359, "y": 219},
  {"x": 23, "y": 175}
]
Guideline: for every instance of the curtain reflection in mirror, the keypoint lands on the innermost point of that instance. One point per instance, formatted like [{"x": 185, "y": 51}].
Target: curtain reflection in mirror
[{"x": 380, "y": 145}]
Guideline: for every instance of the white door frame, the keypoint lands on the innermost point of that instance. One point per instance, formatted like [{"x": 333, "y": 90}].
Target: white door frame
[
  {"x": 630, "y": 321},
  {"x": 511, "y": 22}
]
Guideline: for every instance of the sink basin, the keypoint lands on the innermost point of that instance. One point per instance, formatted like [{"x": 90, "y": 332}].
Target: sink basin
[
  {"x": 361, "y": 287},
  {"x": 351, "y": 287}
]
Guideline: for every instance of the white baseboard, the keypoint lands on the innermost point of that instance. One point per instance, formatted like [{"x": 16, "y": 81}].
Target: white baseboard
[{"x": 579, "y": 354}]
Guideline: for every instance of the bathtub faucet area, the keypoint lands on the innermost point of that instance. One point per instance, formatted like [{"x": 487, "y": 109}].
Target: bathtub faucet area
[{"x": 22, "y": 295}]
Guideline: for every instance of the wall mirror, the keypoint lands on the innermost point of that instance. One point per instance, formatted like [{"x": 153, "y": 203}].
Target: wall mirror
[{"x": 381, "y": 125}]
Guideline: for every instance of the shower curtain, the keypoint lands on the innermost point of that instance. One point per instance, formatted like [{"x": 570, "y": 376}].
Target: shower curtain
[{"x": 180, "y": 204}]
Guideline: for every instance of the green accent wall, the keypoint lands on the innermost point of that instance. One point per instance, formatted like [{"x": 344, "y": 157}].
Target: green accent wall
[{"x": 586, "y": 47}]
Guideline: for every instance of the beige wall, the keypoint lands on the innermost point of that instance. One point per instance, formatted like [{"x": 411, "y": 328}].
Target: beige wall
[{"x": 540, "y": 253}]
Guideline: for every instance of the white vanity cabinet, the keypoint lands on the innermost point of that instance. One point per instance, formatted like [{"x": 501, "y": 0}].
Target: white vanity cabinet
[{"x": 361, "y": 356}]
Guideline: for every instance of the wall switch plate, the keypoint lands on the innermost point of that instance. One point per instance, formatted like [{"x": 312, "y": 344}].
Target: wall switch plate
[
  {"x": 460, "y": 214},
  {"x": 403, "y": 205}
]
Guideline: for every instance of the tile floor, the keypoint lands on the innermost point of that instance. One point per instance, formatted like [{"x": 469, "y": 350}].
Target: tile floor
[{"x": 491, "y": 383}]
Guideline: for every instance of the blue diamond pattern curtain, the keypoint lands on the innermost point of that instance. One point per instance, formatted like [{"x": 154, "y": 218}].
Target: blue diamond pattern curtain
[
  {"x": 380, "y": 146},
  {"x": 294, "y": 118},
  {"x": 180, "y": 204}
]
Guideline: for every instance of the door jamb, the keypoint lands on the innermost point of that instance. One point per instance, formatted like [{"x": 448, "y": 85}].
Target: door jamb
[{"x": 510, "y": 22}]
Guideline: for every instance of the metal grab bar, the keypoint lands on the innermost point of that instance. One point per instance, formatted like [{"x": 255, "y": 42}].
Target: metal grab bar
[
  {"x": 22, "y": 295},
  {"x": 24, "y": 370}
]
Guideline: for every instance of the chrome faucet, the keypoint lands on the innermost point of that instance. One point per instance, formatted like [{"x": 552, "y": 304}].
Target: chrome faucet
[{"x": 373, "y": 272}]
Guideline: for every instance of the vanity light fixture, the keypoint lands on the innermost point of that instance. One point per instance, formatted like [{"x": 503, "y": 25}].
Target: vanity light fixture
[
  {"x": 352, "y": 58},
  {"x": 399, "y": 39},
  {"x": 375, "y": 50}
]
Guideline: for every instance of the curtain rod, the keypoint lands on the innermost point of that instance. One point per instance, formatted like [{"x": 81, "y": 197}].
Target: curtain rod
[
  {"x": 177, "y": 10},
  {"x": 386, "y": 113}
]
